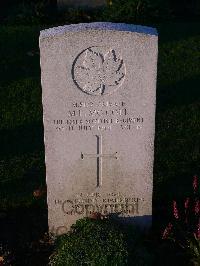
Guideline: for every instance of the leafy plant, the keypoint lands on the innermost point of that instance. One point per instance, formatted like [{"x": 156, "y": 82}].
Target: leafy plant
[
  {"x": 91, "y": 242},
  {"x": 6, "y": 257},
  {"x": 184, "y": 230}
]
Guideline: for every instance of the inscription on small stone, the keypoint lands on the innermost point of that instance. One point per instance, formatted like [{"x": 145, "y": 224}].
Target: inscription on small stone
[{"x": 99, "y": 95}]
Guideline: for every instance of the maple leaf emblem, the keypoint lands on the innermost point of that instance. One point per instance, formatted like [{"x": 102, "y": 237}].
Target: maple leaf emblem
[{"x": 99, "y": 73}]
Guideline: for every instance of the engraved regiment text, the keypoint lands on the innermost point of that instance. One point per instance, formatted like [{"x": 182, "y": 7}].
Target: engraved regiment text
[{"x": 101, "y": 116}]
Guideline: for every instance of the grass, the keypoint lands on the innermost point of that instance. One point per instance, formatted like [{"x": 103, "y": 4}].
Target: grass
[
  {"x": 177, "y": 144},
  {"x": 178, "y": 111},
  {"x": 22, "y": 152}
]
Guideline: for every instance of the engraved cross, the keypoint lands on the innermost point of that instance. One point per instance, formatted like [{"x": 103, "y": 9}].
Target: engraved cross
[{"x": 99, "y": 156}]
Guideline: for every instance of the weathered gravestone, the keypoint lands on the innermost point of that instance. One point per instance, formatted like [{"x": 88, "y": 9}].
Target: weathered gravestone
[
  {"x": 99, "y": 94},
  {"x": 62, "y": 4}
]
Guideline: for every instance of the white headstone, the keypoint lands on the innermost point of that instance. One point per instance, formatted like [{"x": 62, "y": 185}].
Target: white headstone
[{"x": 99, "y": 95}]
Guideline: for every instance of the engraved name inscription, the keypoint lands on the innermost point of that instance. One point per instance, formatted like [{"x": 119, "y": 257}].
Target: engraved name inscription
[{"x": 99, "y": 116}]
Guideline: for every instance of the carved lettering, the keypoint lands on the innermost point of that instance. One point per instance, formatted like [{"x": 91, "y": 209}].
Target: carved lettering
[
  {"x": 87, "y": 206},
  {"x": 68, "y": 207}
]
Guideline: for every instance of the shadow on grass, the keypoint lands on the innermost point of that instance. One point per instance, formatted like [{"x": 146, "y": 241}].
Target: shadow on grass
[
  {"x": 19, "y": 53},
  {"x": 177, "y": 145},
  {"x": 22, "y": 231},
  {"x": 21, "y": 140},
  {"x": 176, "y": 31},
  {"x": 181, "y": 93}
]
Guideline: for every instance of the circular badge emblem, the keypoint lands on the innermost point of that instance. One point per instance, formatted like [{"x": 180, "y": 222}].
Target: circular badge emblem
[{"x": 98, "y": 70}]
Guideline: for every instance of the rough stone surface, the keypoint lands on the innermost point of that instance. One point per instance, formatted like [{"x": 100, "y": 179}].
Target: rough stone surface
[{"x": 99, "y": 95}]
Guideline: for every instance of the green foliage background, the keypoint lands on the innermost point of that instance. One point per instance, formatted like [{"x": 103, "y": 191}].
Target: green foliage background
[
  {"x": 91, "y": 243},
  {"x": 102, "y": 243}
]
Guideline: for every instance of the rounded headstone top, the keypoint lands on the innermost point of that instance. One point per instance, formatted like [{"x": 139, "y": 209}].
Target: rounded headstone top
[{"x": 97, "y": 26}]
